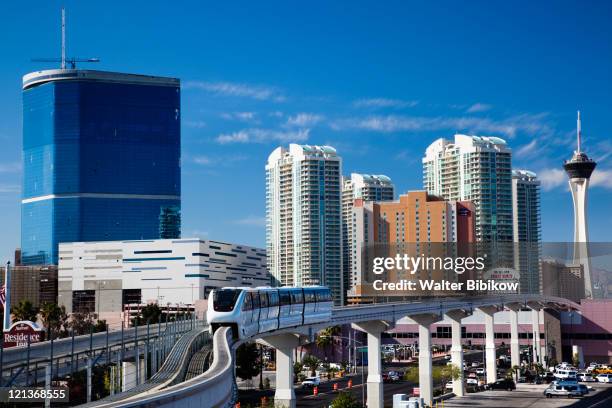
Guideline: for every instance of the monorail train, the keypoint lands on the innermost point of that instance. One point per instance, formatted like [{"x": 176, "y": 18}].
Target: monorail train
[{"x": 250, "y": 311}]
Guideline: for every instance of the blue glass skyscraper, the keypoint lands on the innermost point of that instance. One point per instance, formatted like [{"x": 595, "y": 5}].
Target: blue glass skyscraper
[{"x": 101, "y": 158}]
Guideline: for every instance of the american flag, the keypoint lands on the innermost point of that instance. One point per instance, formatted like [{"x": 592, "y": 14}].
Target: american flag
[{"x": 3, "y": 294}]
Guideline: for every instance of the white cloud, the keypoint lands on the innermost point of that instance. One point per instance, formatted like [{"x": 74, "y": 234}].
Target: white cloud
[
  {"x": 509, "y": 127},
  {"x": 258, "y": 92},
  {"x": 552, "y": 178},
  {"x": 264, "y": 136},
  {"x": 252, "y": 220},
  {"x": 196, "y": 124},
  {"x": 9, "y": 189},
  {"x": 479, "y": 107},
  {"x": 239, "y": 116},
  {"x": 304, "y": 119},
  {"x": 383, "y": 103},
  {"x": 13, "y": 167},
  {"x": 528, "y": 149},
  {"x": 225, "y": 160},
  {"x": 602, "y": 178}
]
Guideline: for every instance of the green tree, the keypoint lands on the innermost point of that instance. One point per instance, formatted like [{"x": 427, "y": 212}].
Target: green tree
[
  {"x": 151, "y": 313},
  {"x": 312, "y": 362},
  {"x": 297, "y": 369},
  {"x": 345, "y": 400},
  {"x": 54, "y": 317},
  {"x": 412, "y": 374},
  {"x": 25, "y": 310},
  {"x": 247, "y": 361},
  {"x": 325, "y": 339}
]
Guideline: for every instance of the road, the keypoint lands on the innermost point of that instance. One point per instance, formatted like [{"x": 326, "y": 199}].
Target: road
[{"x": 531, "y": 396}]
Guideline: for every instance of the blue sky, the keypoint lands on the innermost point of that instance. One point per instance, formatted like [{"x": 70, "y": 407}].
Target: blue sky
[{"x": 377, "y": 81}]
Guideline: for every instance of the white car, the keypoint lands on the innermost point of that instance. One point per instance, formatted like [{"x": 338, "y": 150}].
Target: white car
[
  {"x": 604, "y": 378},
  {"x": 480, "y": 371},
  {"x": 311, "y": 382},
  {"x": 586, "y": 377},
  {"x": 565, "y": 374},
  {"x": 471, "y": 381}
]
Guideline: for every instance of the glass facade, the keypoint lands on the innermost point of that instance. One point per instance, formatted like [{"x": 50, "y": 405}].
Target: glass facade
[{"x": 101, "y": 160}]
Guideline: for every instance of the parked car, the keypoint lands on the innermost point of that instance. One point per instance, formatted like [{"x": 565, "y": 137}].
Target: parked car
[
  {"x": 604, "y": 378},
  {"x": 471, "y": 381},
  {"x": 449, "y": 385},
  {"x": 585, "y": 377},
  {"x": 475, "y": 363},
  {"x": 503, "y": 384},
  {"x": 311, "y": 382},
  {"x": 557, "y": 390},
  {"x": 480, "y": 371}
]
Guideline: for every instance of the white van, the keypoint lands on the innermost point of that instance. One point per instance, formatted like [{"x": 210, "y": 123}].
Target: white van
[{"x": 563, "y": 374}]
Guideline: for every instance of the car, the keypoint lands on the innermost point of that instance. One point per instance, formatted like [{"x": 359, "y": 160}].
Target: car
[
  {"x": 502, "y": 384},
  {"x": 604, "y": 378},
  {"x": 311, "y": 382},
  {"x": 522, "y": 379},
  {"x": 564, "y": 374},
  {"x": 585, "y": 377},
  {"x": 480, "y": 371},
  {"x": 475, "y": 363},
  {"x": 391, "y": 377},
  {"x": 449, "y": 385},
  {"x": 548, "y": 377},
  {"x": 471, "y": 381},
  {"x": 447, "y": 357},
  {"x": 558, "y": 390}
]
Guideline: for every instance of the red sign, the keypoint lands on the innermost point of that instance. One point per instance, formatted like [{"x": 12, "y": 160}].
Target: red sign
[{"x": 19, "y": 332}]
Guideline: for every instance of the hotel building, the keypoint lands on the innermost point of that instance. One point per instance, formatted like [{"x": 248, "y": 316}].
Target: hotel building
[
  {"x": 364, "y": 187},
  {"x": 476, "y": 169},
  {"x": 527, "y": 229},
  {"x": 101, "y": 159},
  {"x": 304, "y": 217},
  {"x": 407, "y": 225}
]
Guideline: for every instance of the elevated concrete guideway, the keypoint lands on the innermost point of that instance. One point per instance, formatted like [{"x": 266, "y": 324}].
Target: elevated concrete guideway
[{"x": 216, "y": 385}]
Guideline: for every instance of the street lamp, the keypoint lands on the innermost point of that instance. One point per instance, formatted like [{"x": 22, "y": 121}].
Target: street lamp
[{"x": 354, "y": 353}]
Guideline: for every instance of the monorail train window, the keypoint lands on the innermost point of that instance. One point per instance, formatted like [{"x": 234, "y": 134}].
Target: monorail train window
[
  {"x": 248, "y": 302},
  {"x": 273, "y": 299},
  {"x": 323, "y": 295},
  {"x": 309, "y": 296},
  {"x": 263, "y": 299},
  {"x": 285, "y": 298},
  {"x": 225, "y": 299},
  {"x": 297, "y": 297},
  {"x": 255, "y": 300}
]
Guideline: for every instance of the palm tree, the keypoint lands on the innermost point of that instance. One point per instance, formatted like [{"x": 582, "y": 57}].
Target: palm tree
[
  {"x": 326, "y": 339},
  {"x": 25, "y": 310},
  {"x": 312, "y": 362},
  {"x": 53, "y": 317}
]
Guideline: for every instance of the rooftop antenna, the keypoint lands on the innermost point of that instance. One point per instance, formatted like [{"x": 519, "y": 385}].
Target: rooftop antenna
[
  {"x": 63, "y": 60},
  {"x": 578, "y": 131}
]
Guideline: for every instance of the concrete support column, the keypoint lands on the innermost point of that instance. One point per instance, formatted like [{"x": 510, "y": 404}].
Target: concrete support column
[
  {"x": 515, "y": 349},
  {"x": 373, "y": 329},
  {"x": 490, "y": 351},
  {"x": 456, "y": 349},
  {"x": 535, "y": 324},
  {"x": 285, "y": 345},
  {"x": 425, "y": 367}
]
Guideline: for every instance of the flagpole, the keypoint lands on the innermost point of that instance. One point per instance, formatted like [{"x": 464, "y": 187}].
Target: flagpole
[{"x": 7, "y": 296}]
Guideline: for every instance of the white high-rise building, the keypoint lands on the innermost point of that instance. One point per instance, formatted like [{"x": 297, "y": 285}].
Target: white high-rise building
[
  {"x": 579, "y": 169},
  {"x": 304, "y": 217},
  {"x": 368, "y": 188},
  {"x": 476, "y": 169},
  {"x": 527, "y": 229}
]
